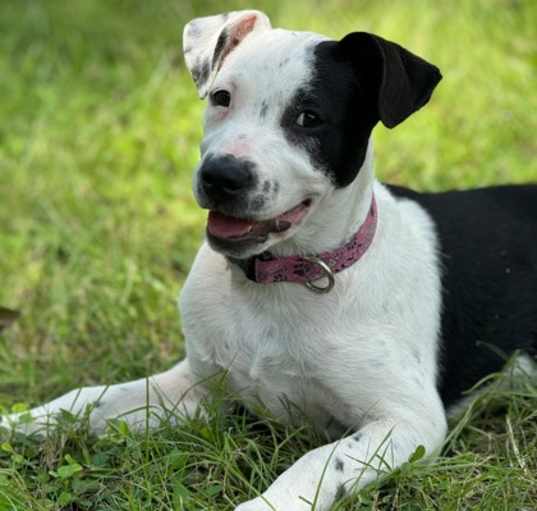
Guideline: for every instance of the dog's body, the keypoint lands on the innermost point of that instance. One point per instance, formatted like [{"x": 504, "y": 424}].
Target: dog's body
[
  {"x": 408, "y": 327},
  {"x": 488, "y": 245}
]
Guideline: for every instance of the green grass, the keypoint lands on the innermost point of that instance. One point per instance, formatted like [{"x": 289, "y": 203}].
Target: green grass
[{"x": 98, "y": 135}]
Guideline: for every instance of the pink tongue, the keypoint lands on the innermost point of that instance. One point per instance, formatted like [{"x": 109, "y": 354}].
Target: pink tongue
[{"x": 224, "y": 226}]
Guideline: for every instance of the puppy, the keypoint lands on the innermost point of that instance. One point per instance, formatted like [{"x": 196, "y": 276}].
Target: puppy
[{"x": 370, "y": 308}]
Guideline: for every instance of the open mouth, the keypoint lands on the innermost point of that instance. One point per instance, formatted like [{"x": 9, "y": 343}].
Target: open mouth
[{"x": 231, "y": 228}]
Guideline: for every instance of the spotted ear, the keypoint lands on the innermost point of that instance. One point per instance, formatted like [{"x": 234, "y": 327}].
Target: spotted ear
[
  {"x": 208, "y": 41},
  {"x": 399, "y": 81}
]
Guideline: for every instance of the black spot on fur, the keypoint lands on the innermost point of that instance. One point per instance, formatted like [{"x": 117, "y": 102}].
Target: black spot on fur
[
  {"x": 357, "y": 437},
  {"x": 284, "y": 62},
  {"x": 264, "y": 109},
  {"x": 338, "y": 463},
  {"x": 340, "y": 492},
  {"x": 266, "y": 186},
  {"x": 258, "y": 202}
]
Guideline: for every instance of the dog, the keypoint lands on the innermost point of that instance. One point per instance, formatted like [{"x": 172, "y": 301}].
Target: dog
[{"x": 370, "y": 308}]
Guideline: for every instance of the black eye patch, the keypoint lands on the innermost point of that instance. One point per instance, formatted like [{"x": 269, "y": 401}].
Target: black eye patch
[{"x": 330, "y": 117}]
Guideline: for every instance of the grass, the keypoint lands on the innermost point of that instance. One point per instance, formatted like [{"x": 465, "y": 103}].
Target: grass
[{"x": 99, "y": 134}]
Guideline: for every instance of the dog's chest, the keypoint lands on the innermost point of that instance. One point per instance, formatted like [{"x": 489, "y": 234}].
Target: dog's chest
[
  {"x": 272, "y": 357},
  {"x": 264, "y": 358},
  {"x": 260, "y": 362}
]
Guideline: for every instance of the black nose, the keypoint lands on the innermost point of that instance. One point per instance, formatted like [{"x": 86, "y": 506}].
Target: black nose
[{"x": 225, "y": 177}]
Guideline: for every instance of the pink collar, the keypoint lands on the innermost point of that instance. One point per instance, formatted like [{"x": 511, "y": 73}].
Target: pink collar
[{"x": 266, "y": 268}]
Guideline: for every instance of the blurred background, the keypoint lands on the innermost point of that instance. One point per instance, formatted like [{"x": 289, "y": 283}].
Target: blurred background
[{"x": 99, "y": 133}]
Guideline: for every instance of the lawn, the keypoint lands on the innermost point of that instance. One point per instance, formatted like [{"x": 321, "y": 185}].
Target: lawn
[{"x": 99, "y": 133}]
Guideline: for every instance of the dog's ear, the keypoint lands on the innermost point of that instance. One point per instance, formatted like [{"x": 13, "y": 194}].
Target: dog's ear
[
  {"x": 399, "y": 81},
  {"x": 208, "y": 41}
]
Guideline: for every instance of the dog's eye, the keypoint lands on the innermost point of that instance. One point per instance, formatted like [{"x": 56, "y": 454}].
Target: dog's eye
[
  {"x": 308, "y": 119},
  {"x": 221, "y": 97}
]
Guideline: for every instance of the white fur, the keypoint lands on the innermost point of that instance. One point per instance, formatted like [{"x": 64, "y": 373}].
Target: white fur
[
  {"x": 201, "y": 35},
  {"x": 362, "y": 356}
]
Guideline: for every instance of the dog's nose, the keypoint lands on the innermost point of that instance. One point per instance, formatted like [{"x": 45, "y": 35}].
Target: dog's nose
[{"x": 225, "y": 177}]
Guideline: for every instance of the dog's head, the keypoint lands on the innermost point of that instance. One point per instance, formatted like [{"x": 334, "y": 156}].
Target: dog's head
[{"x": 288, "y": 120}]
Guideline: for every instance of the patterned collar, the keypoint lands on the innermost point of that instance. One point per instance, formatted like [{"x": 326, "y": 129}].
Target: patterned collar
[{"x": 266, "y": 268}]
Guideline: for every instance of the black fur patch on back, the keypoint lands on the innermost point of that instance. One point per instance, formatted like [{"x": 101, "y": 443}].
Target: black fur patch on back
[{"x": 488, "y": 254}]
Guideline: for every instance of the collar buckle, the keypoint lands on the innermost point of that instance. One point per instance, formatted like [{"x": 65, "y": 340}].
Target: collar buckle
[{"x": 327, "y": 273}]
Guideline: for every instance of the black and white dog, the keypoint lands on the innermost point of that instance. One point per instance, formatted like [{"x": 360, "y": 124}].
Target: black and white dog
[{"x": 370, "y": 308}]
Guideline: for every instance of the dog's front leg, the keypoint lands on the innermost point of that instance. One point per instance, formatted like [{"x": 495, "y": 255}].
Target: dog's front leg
[
  {"x": 333, "y": 470},
  {"x": 144, "y": 402}
]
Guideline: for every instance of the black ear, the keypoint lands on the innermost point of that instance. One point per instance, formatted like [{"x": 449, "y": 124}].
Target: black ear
[{"x": 400, "y": 81}]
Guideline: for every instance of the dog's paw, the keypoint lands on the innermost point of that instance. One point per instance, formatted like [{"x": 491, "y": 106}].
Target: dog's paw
[{"x": 95, "y": 407}]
